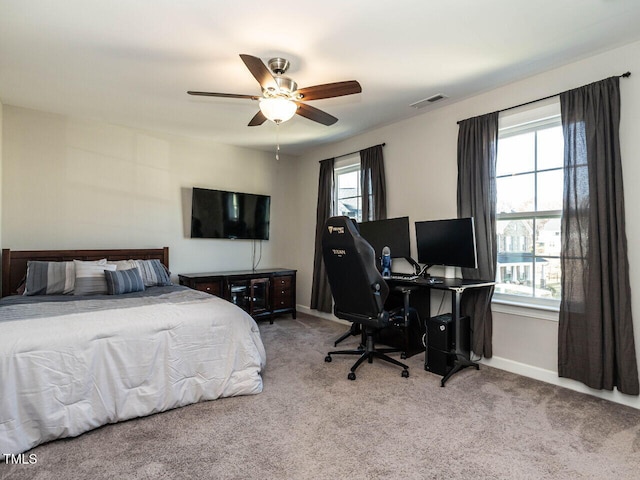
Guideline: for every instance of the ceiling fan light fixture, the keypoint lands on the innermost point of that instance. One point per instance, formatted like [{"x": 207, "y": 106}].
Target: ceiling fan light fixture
[{"x": 277, "y": 109}]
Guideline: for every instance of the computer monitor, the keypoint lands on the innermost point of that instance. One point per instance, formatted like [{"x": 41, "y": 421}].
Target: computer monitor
[
  {"x": 392, "y": 233},
  {"x": 447, "y": 242}
]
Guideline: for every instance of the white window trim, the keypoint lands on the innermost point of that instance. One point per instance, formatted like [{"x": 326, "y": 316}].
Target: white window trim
[
  {"x": 521, "y": 120},
  {"x": 524, "y": 309},
  {"x": 346, "y": 161}
]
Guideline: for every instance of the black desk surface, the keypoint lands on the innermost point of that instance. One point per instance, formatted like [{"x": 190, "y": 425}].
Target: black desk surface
[{"x": 441, "y": 283}]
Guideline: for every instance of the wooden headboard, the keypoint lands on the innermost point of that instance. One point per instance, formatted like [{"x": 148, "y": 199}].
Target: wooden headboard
[{"x": 14, "y": 263}]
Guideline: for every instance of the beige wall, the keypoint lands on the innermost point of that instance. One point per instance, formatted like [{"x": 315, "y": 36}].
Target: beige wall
[
  {"x": 1, "y": 117},
  {"x": 420, "y": 162},
  {"x": 71, "y": 183}
]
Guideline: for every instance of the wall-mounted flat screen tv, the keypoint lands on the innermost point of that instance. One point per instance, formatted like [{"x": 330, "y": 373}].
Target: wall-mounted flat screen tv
[{"x": 222, "y": 214}]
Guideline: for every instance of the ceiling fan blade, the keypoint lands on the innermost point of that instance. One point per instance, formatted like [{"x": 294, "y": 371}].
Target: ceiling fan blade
[
  {"x": 258, "y": 119},
  {"x": 223, "y": 95},
  {"x": 330, "y": 90},
  {"x": 315, "y": 114},
  {"x": 259, "y": 70}
]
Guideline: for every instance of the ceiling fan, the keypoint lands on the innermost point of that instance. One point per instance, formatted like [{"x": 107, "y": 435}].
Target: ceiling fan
[{"x": 281, "y": 98}]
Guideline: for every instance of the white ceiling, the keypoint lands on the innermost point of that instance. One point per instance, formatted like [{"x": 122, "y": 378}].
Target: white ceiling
[{"x": 130, "y": 62}]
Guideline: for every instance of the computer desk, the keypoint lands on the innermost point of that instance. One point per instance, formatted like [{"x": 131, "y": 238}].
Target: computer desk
[{"x": 456, "y": 286}]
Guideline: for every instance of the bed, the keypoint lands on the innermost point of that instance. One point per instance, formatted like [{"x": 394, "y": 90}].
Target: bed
[{"x": 70, "y": 363}]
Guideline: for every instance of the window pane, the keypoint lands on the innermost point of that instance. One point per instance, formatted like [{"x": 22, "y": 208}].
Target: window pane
[
  {"x": 515, "y": 194},
  {"x": 349, "y": 206},
  {"x": 548, "y": 278},
  {"x": 347, "y": 184},
  {"x": 550, "y": 148},
  {"x": 515, "y": 238},
  {"x": 516, "y": 154},
  {"x": 348, "y": 199},
  {"x": 510, "y": 284},
  {"x": 548, "y": 236},
  {"x": 550, "y": 188},
  {"x": 514, "y": 273}
]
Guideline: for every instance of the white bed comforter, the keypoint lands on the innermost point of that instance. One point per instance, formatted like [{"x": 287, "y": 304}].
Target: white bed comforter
[{"x": 64, "y": 374}]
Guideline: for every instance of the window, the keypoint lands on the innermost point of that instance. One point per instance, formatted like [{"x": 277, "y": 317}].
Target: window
[
  {"x": 529, "y": 183},
  {"x": 347, "y": 191}
]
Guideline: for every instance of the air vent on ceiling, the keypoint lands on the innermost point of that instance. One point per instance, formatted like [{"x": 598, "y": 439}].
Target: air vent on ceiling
[{"x": 431, "y": 99}]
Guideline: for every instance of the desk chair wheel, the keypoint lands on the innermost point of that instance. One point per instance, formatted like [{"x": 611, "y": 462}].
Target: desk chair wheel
[
  {"x": 327, "y": 359},
  {"x": 405, "y": 373},
  {"x": 351, "y": 376},
  {"x": 403, "y": 355}
]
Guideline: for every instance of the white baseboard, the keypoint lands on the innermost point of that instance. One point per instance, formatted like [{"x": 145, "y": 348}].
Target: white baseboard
[
  {"x": 549, "y": 376},
  {"x": 316, "y": 313}
]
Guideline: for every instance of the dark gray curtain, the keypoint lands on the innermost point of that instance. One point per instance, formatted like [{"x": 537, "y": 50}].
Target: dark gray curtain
[
  {"x": 373, "y": 184},
  {"x": 320, "y": 290},
  {"x": 595, "y": 337},
  {"x": 477, "y": 153}
]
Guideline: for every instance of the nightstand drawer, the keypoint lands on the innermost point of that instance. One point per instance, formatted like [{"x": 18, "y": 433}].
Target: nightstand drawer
[
  {"x": 209, "y": 287},
  {"x": 282, "y": 301},
  {"x": 281, "y": 283}
]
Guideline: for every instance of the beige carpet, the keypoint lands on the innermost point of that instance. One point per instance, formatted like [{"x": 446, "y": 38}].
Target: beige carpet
[{"x": 312, "y": 423}]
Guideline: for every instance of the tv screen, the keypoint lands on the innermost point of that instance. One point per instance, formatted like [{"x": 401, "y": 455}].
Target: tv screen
[
  {"x": 392, "y": 233},
  {"x": 447, "y": 242},
  {"x": 222, "y": 214}
]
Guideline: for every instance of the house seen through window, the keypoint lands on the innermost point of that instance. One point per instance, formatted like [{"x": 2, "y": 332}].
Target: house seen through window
[{"x": 529, "y": 182}]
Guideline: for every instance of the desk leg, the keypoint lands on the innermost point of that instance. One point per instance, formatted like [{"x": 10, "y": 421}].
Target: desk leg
[
  {"x": 462, "y": 358},
  {"x": 458, "y": 365}
]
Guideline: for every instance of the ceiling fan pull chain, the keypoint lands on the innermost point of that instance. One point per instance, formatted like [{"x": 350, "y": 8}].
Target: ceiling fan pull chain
[{"x": 277, "y": 141}]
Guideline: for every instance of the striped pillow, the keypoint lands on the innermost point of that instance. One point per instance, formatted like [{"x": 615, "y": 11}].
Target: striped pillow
[
  {"x": 123, "y": 281},
  {"x": 49, "y": 278},
  {"x": 153, "y": 273},
  {"x": 52, "y": 278},
  {"x": 90, "y": 278}
]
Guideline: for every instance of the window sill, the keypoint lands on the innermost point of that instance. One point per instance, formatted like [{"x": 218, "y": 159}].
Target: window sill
[{"x": 543, "y": 312}]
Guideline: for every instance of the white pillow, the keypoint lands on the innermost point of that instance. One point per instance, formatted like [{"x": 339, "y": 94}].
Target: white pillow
[
  {"x": 90, "y": 277},
  {"x": 123, "y": 264}
]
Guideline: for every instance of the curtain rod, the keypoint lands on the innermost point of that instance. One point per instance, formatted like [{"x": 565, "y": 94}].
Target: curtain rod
[
  {"x": 624, "y": 75},
  {"x": 351, "y": 153}
]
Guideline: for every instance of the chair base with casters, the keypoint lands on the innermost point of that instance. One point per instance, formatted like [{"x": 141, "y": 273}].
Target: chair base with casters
[
  {"x": 352, "y": 332},
  {"x": 369, "y": 352}
]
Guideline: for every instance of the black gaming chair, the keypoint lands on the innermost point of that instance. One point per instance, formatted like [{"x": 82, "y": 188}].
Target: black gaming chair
[{"x": 358, "y": 289}]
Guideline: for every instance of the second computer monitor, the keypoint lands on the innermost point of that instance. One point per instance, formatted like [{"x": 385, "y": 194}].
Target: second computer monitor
[
  {"x": 450, "y": 242},
  {"x": 392, "y": 233}
]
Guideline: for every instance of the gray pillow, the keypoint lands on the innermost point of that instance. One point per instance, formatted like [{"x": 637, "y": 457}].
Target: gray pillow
[
  {"x": 153, "y": 273},
  {"x": 123, "y": 281},
  {"x": 49, "y": 278}
]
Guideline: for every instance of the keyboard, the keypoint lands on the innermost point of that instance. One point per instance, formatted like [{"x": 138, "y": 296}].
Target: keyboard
[{"x": 402, "y": 276}]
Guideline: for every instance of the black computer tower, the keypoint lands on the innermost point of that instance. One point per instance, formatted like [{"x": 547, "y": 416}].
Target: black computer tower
[{"x": 441, "y": 340}]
